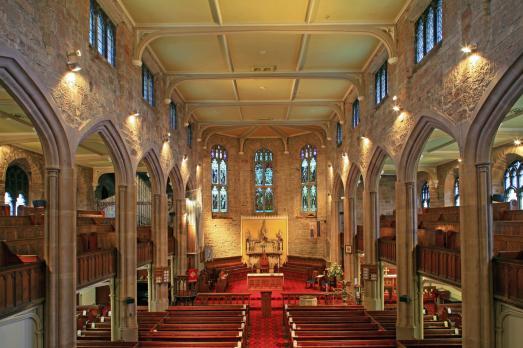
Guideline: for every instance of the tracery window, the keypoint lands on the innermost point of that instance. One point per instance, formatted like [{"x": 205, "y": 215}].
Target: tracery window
[
  {"x": 16, "y": 188},
  {"x": 381, "y": 83},
  {"x": 513, "y": 183},
  {"x": 309, "y": 190},
  {"x": 355, "y": 113},
  {"x": 425, "y": 195},
  {"x": 263, "y": 181},
  {"x": 102, "y": 33},
  {"x": 189, "y": 135},
  {"x": 219, "y": 192},
  {"x": 456, "y": 191},
  {"x": 429, "y": 29},
  {"x": 339, "y": 134}
]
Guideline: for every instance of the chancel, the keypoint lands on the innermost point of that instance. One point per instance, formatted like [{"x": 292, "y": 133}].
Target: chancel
[{"x": 276, "y": 173}]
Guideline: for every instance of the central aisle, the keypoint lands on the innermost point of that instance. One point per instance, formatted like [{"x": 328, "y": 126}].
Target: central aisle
[{"x": 266, "y": 332}]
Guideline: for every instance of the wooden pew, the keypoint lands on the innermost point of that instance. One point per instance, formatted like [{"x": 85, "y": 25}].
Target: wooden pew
[{"x": 446, "y": 343}]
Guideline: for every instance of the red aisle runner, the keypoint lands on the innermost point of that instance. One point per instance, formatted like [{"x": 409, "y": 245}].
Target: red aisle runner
[{"x": 266, "y": 332}]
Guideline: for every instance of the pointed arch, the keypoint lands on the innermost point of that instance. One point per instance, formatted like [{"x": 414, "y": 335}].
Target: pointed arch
[
  {"x": 151, "y": 159},
  {"x": 375, "y": 167},
  {"x": 355, "y": 173},
  {"x": 177, "y": 181},
  {"x": 120, "y": 157},
  {"x": 406, "y": 169}
]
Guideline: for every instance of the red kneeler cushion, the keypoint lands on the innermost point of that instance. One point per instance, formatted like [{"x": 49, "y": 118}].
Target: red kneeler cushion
[{"x": 192, "y": 275}]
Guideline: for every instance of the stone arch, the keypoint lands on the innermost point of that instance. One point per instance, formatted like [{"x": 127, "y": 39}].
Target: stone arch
[
  {"x": 416, "y": 141},
  {"x": 21, "y": 82},
  {"x": 448, "y": 186},
  {"x": 34, "y": 171},
  {"x": 176, "y": 181},
  {"x": 355, "y": 173},
  {"x": 120, "y": 157},
  {"x": 375, "y": 167},
  {"x": 152, "y": 162}
]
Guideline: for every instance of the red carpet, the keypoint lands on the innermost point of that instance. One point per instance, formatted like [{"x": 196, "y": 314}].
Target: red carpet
[
  {"x": 289, "y": 285},
  {"x": 266, "y": 332}
]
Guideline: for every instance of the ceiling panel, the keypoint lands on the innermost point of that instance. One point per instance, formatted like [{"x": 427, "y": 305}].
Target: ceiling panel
[
  {"x": 360, "y": 11},
  {"x": 291, "y": 132},
  {"x": 195, "y": 53},
  {"x": 264, "y": 132},
  {"x": 266, "y": 113},
  {"x": 222, "y": 113},
  {"x": 169, "y": 11},
  {"x": 322, "y": 89},
  {"x": 266, "y": 11},
  {"x": 440, "y": 148},
  {"x": 310, "y": 113},
  {"x": 207, "y": 90},
  {"x": 262, "y": 49},
  {"x": 235, "y": 131},
  {"x": 338, "y": 51},
  {"x": 264, "y": 89}
]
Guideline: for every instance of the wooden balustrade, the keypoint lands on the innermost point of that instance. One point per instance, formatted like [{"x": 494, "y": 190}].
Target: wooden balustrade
[
  {"x": 508, "y": 280},
  {"x": 95, "y": 266},
  {"x": 440, "y": 263},
  {"x": 21, "y": 286},
  {"x": 144, "y": 252},
  {"x": 387, "y": 250},
  {"x": 214, "y": 298}
]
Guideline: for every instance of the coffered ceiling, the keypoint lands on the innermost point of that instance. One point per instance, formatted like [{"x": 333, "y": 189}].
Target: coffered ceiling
[{"x": 273, "y": 60}]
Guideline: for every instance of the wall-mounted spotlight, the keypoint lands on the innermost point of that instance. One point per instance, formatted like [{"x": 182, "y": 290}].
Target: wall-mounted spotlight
[
  {"x": 396, "y": 107},
  {"x": 134, "y": 114},
  {"x": 185, "y": 157},
  {"x": 73, "y": 59},
  {"x": 468, "y": 49},
  {"x": 517, "y": 142},
  {"x": 460, "y": 160}
]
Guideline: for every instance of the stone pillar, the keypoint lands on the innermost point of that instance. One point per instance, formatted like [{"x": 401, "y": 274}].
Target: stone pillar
[
  {"x": 409, "y": 324},
  {"x": 373, "y": 291},
  {"x": 351, "y": 260},
  {"x": 181, "y": 237},
  {"x": 159, "y": 299},
  {"x": 123, "y": 323},
  {"x": 334, "y": 228},
  {"x": 476, "y": 255},
  {"x": 60, "y": 257}
]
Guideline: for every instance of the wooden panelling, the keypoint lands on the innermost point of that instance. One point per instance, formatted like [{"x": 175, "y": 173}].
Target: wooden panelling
[
  {"x": 21, "y": 286},
  {"x": 387, "y": 250},
  {"x": 508, "y": 280},
  {"x": 440, "y": 263},
  {"x": 144, "y": 251},
  {"x": 95, "y": 266}
]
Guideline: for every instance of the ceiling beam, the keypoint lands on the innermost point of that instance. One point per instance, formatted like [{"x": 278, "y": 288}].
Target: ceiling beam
[{"x": 383, "y": 32}]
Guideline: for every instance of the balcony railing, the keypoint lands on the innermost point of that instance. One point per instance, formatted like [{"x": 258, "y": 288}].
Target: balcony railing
[
  {"x": 508, "y": 280},
  {"x": 95, "y": 266},
  {"x": 440, "y": 263},
  {"x": 21, "y": 286},
  {"x": 387, "y": 250},
  {"x": 144, "y": 251}
]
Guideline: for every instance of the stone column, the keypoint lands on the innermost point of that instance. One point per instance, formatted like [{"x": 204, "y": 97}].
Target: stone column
[
  {"x": 334, "y": 228},
  {"x": 159, "y": 299},
  {"x": 351, "y": 225},
  {"x": 373, "y": 291},
  {"x": 123, "y": 323},
  {"x": 60, "y": 257},
  {"x": 476, "y": 255},
  {"x": 409, "y": 323},
  {"x": 181, "y": 237}
]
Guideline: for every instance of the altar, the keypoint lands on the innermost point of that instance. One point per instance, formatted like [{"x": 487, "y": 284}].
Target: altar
[{"x": 264, "y": 281}]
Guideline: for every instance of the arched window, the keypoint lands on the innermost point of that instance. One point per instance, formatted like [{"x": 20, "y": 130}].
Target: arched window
[
  {"x": 263, "y": 181},
  {"x": 17, "y": 185},
  {"x": 339, "y": 134},
  {"x": 218, "y": 179},
  {"x": 309, "y": 191},
  {"x": 429, "y": 29},
  {"x": 513, "y": 183},
  {"x": 456, "y": 191},
  {"x": 425, "y": 195},
  {"x": 355, "y": 113}
]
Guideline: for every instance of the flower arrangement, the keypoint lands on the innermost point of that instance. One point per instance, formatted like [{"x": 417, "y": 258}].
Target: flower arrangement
[{"x": 335, "y": 271}]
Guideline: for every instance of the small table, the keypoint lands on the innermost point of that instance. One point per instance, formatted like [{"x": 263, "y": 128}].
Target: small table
[{"x": 264, "y": 281}]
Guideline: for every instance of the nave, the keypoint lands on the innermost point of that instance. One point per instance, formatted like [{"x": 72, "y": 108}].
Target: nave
[{"x": 292, "y": 173}]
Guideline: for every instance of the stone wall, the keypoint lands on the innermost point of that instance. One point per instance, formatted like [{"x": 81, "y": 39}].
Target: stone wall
[{"x": 222, "y": 232}]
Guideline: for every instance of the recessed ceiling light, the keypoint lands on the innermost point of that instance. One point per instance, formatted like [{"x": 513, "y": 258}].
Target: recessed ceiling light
[
  {"x": 517, "y": 142},
  {"x": 263, "y": 52},
  {"x": 262, "y": 88}
]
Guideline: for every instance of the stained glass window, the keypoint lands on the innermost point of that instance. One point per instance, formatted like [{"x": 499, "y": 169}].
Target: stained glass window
[
  {"x": 16, "y": 186},
  {"x": 381, "y": 83},
  {"x": 102, "y": 33},
  {"x": 219, "y": 179},
  {"x": 339, "y": 134},
  {"x": 425, "y": 195},
  {"x": 189, "y": 135},
  {"x": 263, "y": 181},
  {"x": 355, "y": 113},
  {"x": 513, "y": 183},
  {"x": 309, "y": 196},
  {"x": 456, "y": 191},
  {"x": 429, "y": 29}
]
